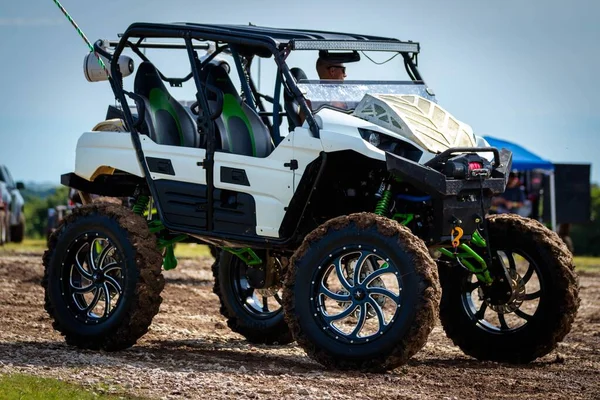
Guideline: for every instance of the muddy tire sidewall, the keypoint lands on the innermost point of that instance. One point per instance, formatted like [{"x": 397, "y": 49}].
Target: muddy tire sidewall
[
  {"x": 140, "y": 265},
  {"x": 418, "y": 305},
  {"x": 556, "y": 309}
]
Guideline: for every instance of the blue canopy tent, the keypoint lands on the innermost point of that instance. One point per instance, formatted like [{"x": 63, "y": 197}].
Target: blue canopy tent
[{"x": 524, "y": 160}]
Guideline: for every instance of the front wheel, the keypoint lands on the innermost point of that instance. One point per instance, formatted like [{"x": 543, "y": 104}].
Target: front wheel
[
  {"x": 361, "y": 293},
  {"x": 540, "y": 310}
]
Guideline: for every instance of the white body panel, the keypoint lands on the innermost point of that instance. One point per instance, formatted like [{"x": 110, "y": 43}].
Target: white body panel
[
  {"x": 105, "y": 149},
  {"x": 272, "y": 185}
]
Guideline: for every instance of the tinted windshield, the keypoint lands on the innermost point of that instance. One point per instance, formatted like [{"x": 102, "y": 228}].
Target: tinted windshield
[{"x": 347, "y": 94}]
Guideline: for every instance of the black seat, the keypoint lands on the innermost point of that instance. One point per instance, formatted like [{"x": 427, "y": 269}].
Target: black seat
[
  {"x": 292, "y": 108},
  {"x": 240, "y": 128},
  {"x": 167, "y": 121}
]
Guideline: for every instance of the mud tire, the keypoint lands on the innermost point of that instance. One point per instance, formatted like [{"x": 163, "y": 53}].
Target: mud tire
[
  {"x": 420, "y": 295},
  {"x": 256, "y": 329},
  {"x": 141, "y": 289},
  {"x": 557, "y": 306}
]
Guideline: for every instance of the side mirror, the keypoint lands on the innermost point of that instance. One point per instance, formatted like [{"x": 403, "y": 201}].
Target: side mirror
[{"x": 20, "y": 185}]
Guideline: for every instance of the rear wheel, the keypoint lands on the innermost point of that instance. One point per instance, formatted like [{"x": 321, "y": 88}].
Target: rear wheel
[
  {"x": 541, "y": 309},
  {"x": 361, "y": 293},
  {"x": 102, "y": 277},
  {"x": 255, "y": 314}
]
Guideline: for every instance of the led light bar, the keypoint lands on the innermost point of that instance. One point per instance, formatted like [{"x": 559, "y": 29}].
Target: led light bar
[{"x": 364, "y": 45}]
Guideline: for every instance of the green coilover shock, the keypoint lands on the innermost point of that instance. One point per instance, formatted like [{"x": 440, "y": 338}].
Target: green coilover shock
[
  {"x": 141, "y": 204},
  {"x": 383, "y": 205}
]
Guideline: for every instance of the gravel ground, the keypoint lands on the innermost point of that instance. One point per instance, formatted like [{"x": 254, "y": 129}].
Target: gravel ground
[{"x": 189, "y": 353}]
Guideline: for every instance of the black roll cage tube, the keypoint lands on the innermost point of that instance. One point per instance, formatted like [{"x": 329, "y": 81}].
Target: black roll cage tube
[{"x": 116, "y": 81}]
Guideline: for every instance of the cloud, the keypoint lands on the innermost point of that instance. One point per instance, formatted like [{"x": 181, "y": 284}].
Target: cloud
[{"x": 30, "y": 22}]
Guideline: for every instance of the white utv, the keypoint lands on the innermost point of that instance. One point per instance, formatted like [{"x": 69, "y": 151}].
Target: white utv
[{"x": 336, "y": 234}]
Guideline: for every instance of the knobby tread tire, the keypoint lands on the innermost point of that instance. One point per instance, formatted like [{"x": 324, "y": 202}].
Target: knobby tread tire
[
  {"x": 425, "y": 310},
  {"x": 277, "y": 334},
  {"x": 146, "y": 298},
  {"x": 560, "y": 306}
]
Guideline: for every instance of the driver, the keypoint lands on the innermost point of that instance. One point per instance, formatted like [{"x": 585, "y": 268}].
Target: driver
[{"x": 330, "y": 68}]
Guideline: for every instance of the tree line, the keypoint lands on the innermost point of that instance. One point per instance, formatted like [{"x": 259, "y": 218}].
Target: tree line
[{"x": 586, "y": 237}]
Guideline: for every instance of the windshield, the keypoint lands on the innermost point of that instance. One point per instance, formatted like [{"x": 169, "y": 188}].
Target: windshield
[{"x": 346, "y": 95}]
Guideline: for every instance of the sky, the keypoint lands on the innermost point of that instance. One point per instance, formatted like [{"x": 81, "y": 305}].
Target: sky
[{"x": 523, "y": 71}]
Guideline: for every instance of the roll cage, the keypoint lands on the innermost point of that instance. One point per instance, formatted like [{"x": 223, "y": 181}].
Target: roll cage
[{"x": 243, "y": 43}]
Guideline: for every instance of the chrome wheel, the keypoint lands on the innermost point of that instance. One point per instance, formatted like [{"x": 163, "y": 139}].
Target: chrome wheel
[
  {"x": 357, "y": 294},
  {"x": 92, "y": 278}
]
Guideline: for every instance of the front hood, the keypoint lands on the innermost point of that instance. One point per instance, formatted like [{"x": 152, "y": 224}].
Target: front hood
[{"x": 417, "y": 119}]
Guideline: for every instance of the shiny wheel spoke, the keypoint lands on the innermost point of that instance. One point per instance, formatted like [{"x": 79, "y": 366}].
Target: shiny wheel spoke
[
  {"x": 376, "y": 274},
  {"x": 110, "y": 267},
  {"x": 94, "y": 302},
  {"x": 340, "y": 273},
  {"x": 265, "y": 304},
  {"x": 358, "y": 266},
  {"x": 384, "y": 292},
  {"x": 362, "y": 317},
  {"x": 343, "y": 314},
  {"x": 335, "y": 296},
  {"x": 106, "y": 299},
  {"x": 82, "y": 270},
  {"x": 83, "y": 290},
  {"x": 278, "y": 299},
  {"x": 378, "y": 312},
  {"x": 113, "y": 282}
]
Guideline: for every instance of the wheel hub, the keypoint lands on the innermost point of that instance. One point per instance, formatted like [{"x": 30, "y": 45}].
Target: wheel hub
[
  {"x": 516, "y": 298},
  {"x": 359, "y": 294}
]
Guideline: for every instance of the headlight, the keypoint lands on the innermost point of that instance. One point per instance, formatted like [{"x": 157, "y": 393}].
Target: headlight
[
  {"x": 374, "y": 139},
  {"x": 391, "y": 145}
]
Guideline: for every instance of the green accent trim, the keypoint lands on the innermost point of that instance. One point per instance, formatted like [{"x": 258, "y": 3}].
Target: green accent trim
[
  {"x": 159, "y": 100},
  {"x": 383, "y": 205},
  {"x": 478, "y": 240},
  {"x": 246, "y": 254},
  {"x": 404, "y": 219},
  {"x": 231, "y": 108},
  {"x": 169, "y": 260},
  {"x": 141, "y": 204},
  {"x": 482, "y": 274}
]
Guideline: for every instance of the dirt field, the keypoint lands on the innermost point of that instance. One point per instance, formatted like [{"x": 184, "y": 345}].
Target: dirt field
[{"x": 190, "y": 353}]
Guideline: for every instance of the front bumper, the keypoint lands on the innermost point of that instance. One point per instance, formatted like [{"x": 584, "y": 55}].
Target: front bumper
[{"x": 456, "y": 202}]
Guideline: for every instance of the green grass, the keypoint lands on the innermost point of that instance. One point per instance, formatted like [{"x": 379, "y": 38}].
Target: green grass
[
  {"x": 588, "y": 264},
  {"x": 186, "y": 250},
  {"x": 189, "y": 250},
  {"x": 27, "y": 387},
  {"x": 27, "y": 246}
]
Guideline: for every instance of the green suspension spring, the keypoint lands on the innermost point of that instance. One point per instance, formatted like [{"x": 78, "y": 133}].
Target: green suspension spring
[
  {"x": 141, "y": 204},
  {"x": 383, "y": 205}
]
